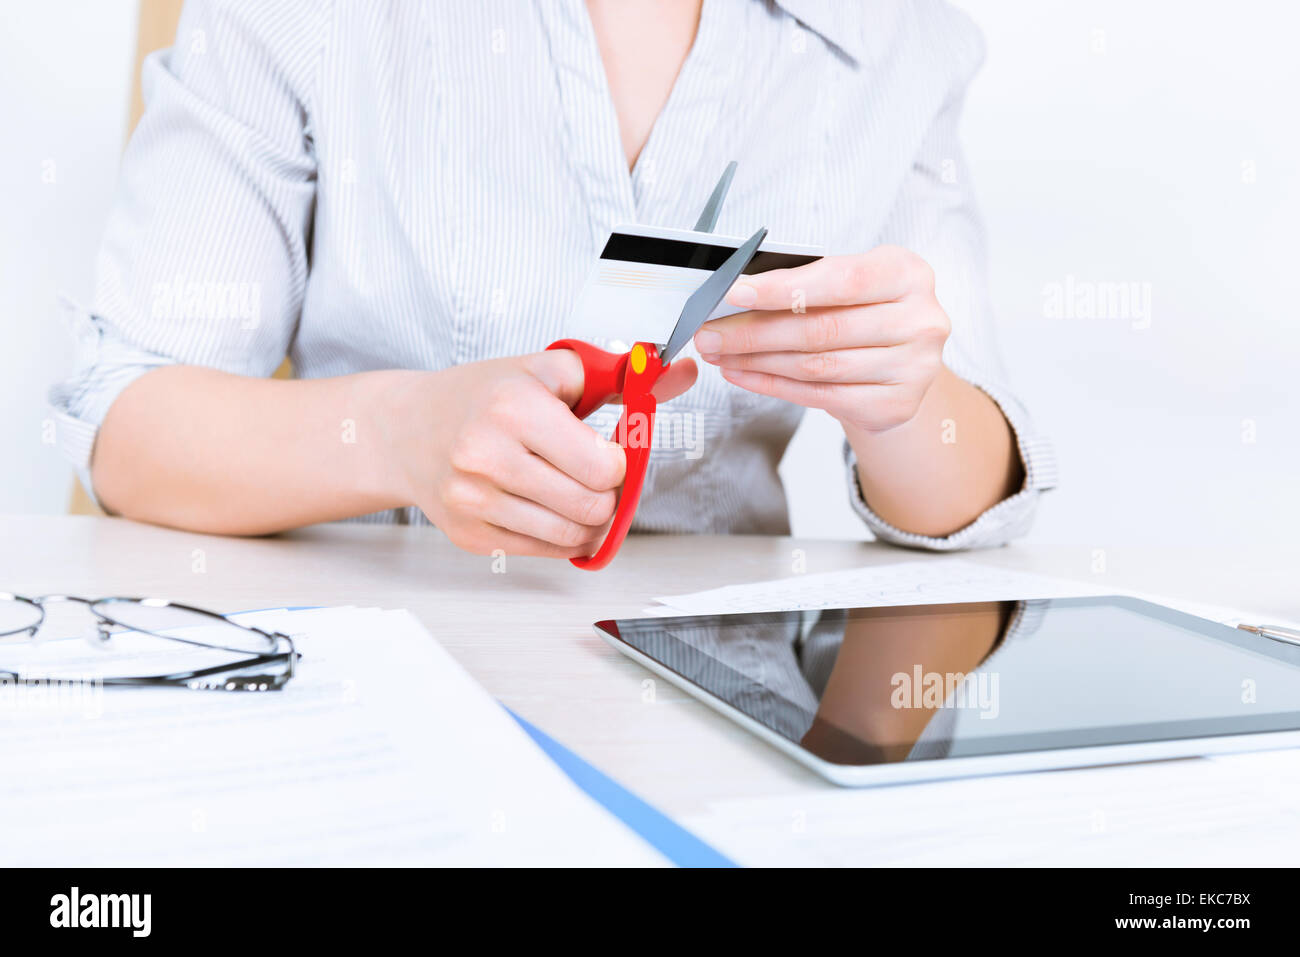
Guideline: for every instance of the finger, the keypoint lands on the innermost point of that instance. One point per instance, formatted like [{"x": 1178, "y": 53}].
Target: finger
[
  {"x": 548, "y": 427},
  {"x": 871, "y": 366},
  {"x": 531, "y": 520},
  {"x": 561, "y": 371},
  {"x": 815, "y": 395},
  {"x": 884, "y": 274},
  {"x": 484, "y": 538},
  {"x": 680, "y": 376},
  {"x": 884, "y": 324},
  {"x": 531, "y": 477}
]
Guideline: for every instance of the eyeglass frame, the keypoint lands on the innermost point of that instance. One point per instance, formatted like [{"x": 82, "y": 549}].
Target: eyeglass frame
[{"x": 277, "y": 641}]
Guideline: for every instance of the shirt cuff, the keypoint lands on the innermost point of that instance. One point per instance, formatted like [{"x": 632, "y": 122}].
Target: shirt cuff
[
  {"x": 1007, "y": 520},
  {"x": 104, "y": 366}
]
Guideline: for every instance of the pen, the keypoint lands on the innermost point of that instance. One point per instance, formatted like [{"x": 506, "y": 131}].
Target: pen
[{"x": 1276, "y": 632}]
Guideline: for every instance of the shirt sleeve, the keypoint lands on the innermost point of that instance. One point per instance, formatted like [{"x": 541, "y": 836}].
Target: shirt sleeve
[
  {"x": 205, "y": 253},
  {"x": 935, "y": 216}
]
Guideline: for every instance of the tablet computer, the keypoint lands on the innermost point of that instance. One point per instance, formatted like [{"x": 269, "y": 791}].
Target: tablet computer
[{"x": 868, "y": 696}]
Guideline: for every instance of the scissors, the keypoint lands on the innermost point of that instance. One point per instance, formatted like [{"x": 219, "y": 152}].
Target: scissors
[{"x": 633, "y": 374}]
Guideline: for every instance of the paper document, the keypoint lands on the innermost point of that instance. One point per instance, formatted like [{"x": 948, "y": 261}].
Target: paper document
[
  {"x": 1235, "y": 810},
  {"x": 382, "y": 750},
  {"x": 905, "y": 583}
]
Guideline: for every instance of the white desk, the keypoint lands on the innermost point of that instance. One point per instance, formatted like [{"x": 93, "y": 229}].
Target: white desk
[{"x": 526, "y": 634}]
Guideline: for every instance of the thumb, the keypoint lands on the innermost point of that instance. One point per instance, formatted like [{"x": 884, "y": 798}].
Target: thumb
[
  {"x": 680, "y": 376},
  {"x": 560, "y": 370}
]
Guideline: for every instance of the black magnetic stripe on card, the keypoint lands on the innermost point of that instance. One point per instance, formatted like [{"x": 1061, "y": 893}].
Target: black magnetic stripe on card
[{"x": 653, "y": 250}]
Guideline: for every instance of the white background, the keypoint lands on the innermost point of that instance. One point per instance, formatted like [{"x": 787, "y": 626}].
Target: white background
[
  {"x": 1149, "y": 142},
  {"x": 65, "y": 81}
]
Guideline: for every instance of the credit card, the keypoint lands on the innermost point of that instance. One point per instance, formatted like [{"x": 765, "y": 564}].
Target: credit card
[{"x": 636, "y": 290}]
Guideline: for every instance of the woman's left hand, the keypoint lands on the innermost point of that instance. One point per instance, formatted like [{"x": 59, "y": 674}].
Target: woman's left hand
[{"x": 859, "y": 336}]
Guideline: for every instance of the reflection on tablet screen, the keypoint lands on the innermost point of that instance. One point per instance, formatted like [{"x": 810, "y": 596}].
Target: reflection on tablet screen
[{"x": 883, "y": 685}]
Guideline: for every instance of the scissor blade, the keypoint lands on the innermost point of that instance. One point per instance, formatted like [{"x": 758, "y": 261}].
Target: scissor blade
[
  {"x": 709, "y": 218},
  {"x": 705, "y": 299}
]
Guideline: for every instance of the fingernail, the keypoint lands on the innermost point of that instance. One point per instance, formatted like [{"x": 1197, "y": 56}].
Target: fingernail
[
  {"x": 743, "y": 295},
  {"x": 708, "y": 341}
]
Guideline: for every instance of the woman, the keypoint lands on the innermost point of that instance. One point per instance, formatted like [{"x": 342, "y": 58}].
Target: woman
[{"x": 403, "y": 197}]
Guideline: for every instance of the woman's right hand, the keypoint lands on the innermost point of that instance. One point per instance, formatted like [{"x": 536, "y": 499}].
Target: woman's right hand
[{"x": 493, "y": 455}]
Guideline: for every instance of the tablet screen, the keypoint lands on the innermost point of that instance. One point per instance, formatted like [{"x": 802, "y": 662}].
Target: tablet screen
[{"x": 881, "y": 685}]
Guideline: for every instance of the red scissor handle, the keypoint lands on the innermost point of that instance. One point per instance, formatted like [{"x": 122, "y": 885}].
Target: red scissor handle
[
  {"x": 602, "y": 374},
  {"x": 608, "y": 375}
]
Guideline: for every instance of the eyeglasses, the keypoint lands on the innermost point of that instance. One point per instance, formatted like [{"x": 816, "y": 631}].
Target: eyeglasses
[{"x": 134, "y": 634}]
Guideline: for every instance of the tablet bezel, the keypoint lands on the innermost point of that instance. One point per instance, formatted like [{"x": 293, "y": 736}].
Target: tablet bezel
[{"x": 935, "y": 769}]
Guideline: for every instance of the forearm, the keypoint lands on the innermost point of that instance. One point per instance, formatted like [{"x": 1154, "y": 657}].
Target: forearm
[
  {"x": 195, "y": 448},
  {"x": 937, "y": 472}
]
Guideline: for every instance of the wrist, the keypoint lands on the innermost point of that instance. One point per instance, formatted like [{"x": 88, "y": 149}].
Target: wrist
[
  {"x": 869, "y": 430},
  {"x": 387, "y": 402},
  {"x": 876, "y": 447},
  {"x": 945, "y": 466}
]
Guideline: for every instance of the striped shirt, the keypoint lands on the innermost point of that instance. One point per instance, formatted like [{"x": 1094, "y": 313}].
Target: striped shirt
[{"x": 375, "y": 184}]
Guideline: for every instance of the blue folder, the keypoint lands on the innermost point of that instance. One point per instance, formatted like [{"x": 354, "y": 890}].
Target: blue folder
[{"x": 660, "y": 831}]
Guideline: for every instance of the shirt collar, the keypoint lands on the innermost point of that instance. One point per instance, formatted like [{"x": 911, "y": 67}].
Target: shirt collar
[{"x": 836, "y": 21}]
